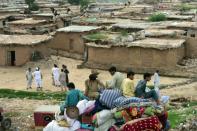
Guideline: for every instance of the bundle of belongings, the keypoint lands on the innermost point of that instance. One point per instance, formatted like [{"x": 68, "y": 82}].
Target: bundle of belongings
[{"x": 113, "y": 112}]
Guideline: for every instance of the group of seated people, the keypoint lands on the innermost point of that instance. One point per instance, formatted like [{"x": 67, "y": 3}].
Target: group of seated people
[{"x": 94, "y": 87}]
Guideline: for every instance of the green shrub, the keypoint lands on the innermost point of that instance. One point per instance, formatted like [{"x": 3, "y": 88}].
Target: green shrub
[
  {"x": 74, "y": 2},
  {"x": 157, "y": 17},
  {"x": 96, "y": 36},
  {"x": 124, "y": 33}
]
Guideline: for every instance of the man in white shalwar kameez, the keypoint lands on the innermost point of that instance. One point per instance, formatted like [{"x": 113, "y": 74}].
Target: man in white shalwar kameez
[
  {"x": 156, "y": 81},
  {"x": 29, "y": 78},
  {"x": 38, "y": 78},
  {"x": 56, "y": 74}
]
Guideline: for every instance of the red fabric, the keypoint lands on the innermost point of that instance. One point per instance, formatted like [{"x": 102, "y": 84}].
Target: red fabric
[
  {"x": 150, "y": 123},
  {"x": 86, "y": 119},
  {"x": 163, "y": 118}
]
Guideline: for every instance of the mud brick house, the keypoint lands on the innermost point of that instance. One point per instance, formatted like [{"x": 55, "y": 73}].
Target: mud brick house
[
  {"x": 30, "y": 26},
  {"x": 68, "y": 41},
  {"x": 16, "y": 50},
  {"x": 190, "y": 36},
  {"x": 145, "y": 54}
]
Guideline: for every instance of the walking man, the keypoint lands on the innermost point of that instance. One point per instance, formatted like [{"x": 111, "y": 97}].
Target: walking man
[
  {"x": 64, "y": 67},
  {"x": 56, "y": 74},
  {"x": 38, "y": 78},
  {"x": 29, "y": 78}
]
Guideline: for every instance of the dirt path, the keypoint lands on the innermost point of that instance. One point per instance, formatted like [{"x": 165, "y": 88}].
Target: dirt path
[
  {"x": 189, "y": 91},
  {"x": 14, "y": 77}
]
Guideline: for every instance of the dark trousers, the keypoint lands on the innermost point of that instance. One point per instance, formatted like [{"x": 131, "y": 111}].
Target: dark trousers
[{"x": 151, "y": 94}]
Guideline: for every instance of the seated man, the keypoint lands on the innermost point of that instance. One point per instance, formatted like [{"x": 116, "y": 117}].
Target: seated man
[
  {"x": 128, "y": 85},
  {"x": 73, "y": 97},
  {"x": 141, "y": 87},
  {"x": 117, "y": 79},
  {"x": 92, "y": 86}
]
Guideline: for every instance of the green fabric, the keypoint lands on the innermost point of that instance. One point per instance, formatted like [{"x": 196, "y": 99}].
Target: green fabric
[
  {"x": 73, "y": 97},
  {"x": 149, "y": 111}
]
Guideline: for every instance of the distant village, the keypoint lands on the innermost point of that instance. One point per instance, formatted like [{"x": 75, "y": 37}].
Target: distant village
[{"x": 135, "y": 34}]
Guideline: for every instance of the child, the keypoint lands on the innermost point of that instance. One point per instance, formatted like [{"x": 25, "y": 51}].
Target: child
[{"x": 73, "y": 97}]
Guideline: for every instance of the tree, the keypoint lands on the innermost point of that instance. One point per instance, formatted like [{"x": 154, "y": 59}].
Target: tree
[
  {"x": 32, "y": 6},
  {"x": 84, "y": 4}
]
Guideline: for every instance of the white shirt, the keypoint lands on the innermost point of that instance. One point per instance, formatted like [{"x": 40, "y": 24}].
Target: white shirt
[
  {"x": 156, "y": 79},
  {"x": 37, "y": 75},
  {"x": 29, "y": 75},
  {"x": 55, "y": 71}
]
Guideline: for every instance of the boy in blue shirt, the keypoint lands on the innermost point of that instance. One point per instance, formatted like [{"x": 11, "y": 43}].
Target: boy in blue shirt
[{"x": 73, "y": 96}]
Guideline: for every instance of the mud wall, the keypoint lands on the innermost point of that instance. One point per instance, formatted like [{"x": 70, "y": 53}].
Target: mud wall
[
  {"x": 2, "y": 56},
  {"x": 191, "y": 47},
  {"x": 136, "y": 57}
]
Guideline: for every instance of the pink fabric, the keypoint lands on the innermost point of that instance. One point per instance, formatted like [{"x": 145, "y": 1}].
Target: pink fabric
[
  {"x": 89, "y": 109},
  {"x": 114, "y": 128},
  {"x": 83, "y": 130}
]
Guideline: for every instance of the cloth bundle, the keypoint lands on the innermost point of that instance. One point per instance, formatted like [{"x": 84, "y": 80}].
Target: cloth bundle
[
  {"x": 85, "y": 106},
  {"x": 53, "y": 126},
  {"x": 102, "y": 117},
  {"x": 105, "y": 126}
]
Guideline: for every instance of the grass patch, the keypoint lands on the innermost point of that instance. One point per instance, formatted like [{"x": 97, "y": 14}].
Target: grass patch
[
  {"x": 157, "y": 17},
  {"x": 12, "y": 114},
  {"x": 9, "y": 93},
  {"x": 96, "y": 36},
  {"x": 124, "y": 33},
  {"x": 177, "y": 116}
]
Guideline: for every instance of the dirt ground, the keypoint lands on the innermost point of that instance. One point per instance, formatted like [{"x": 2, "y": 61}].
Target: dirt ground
[
  {"x": 14, "y": 77},
  {"x": 22, "y": 110}
]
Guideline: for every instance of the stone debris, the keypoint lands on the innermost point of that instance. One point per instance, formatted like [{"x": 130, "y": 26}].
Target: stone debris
[
  {"x": 189, "y": 125},
  {"x": 188, "y": 63}
]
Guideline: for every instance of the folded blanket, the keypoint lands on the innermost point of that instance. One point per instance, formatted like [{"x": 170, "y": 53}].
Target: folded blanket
[
  {"x": 121, "y": 101},
  {"x": 108, "y": 96}
]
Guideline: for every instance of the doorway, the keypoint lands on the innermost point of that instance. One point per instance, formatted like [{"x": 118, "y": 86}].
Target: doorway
[
  {"x": 11, "y": 58},
  {"x": 71, "y": 44}
]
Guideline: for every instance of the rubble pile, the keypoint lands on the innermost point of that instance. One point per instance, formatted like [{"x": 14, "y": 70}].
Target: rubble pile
[
  {"x": 188, "y": 63},
  {"x": 189, "y": 125}
]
